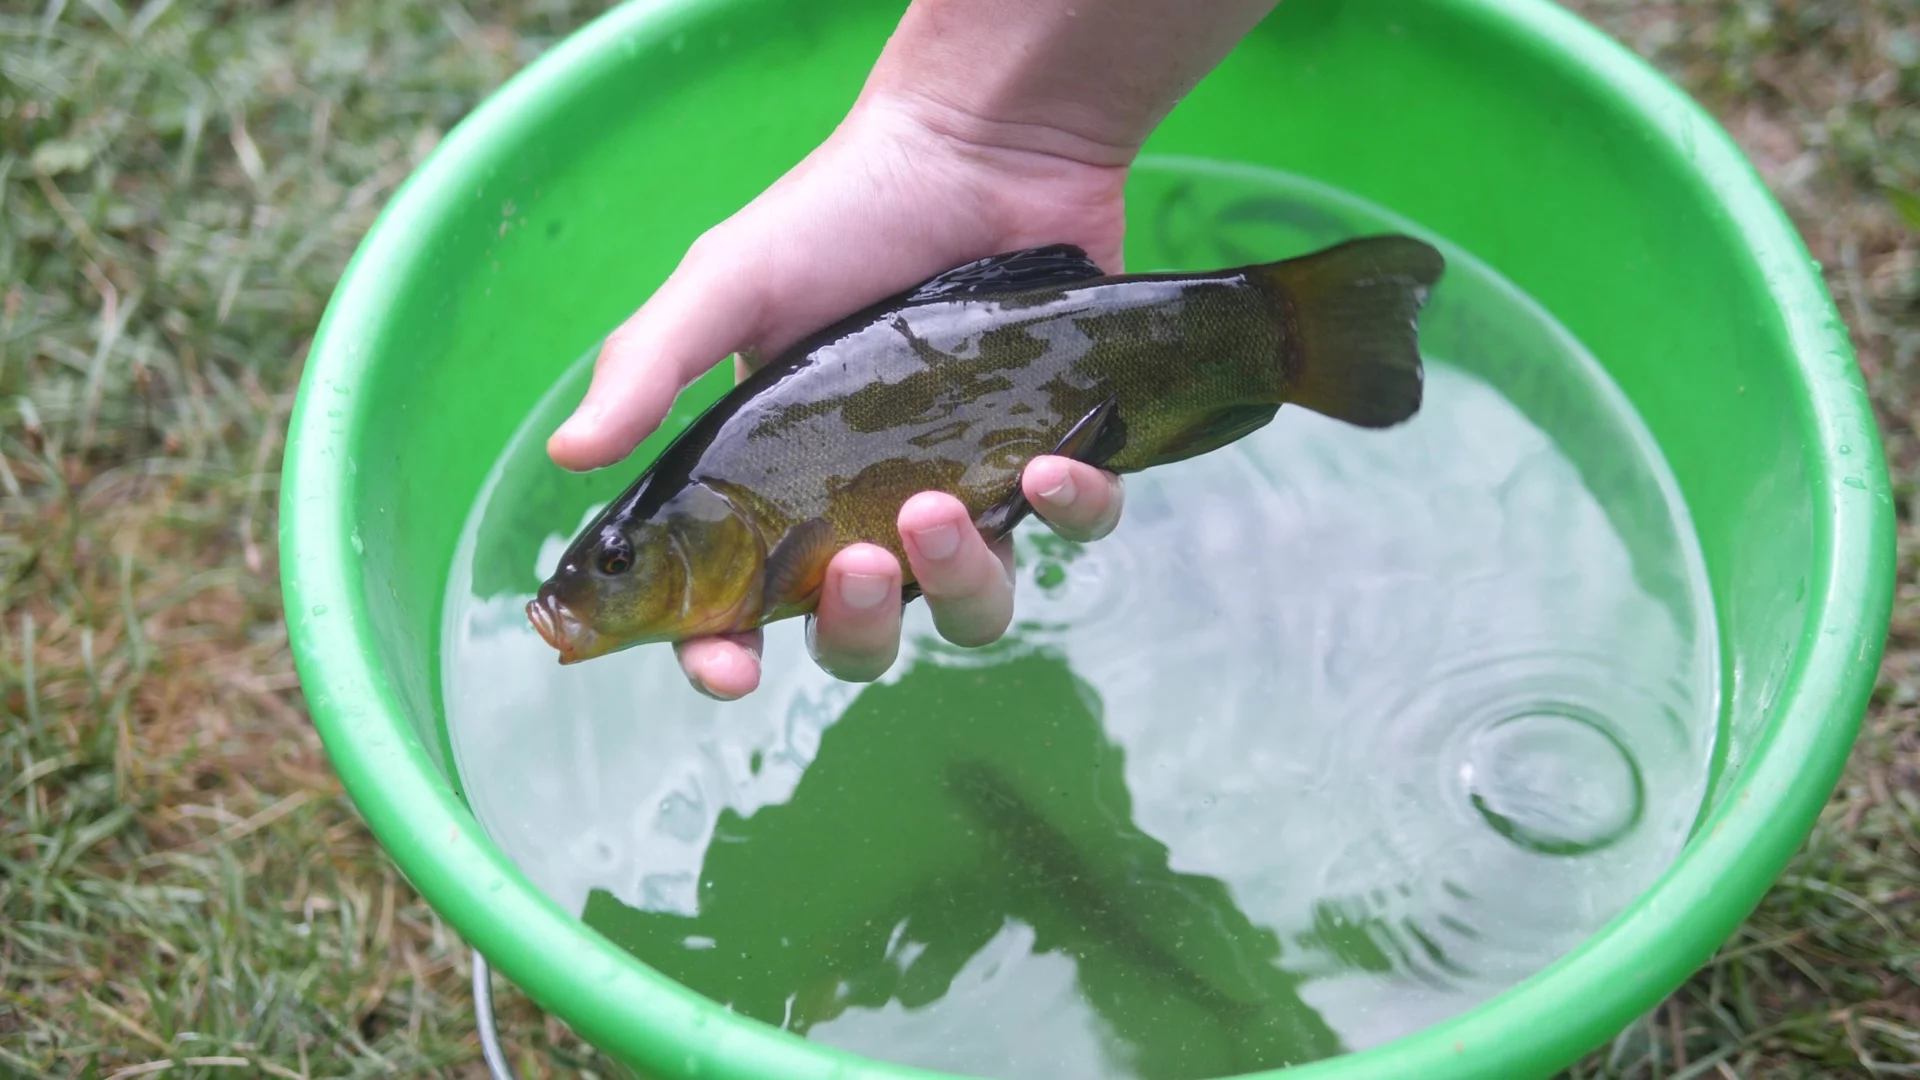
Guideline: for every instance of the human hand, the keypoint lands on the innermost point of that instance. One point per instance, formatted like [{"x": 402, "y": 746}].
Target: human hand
[{"x": 904, "y": 189}]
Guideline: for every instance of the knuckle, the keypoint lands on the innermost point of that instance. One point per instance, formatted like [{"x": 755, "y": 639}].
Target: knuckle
[
  {"x": 857, "y": 665},
  {"x": 617, "y": 344},
  {"x": 969, "y": 634},
  {"x": 860, "y": 673},
  {"x": 975, "y": 620},
  {"x": 962, "y": 587},
  {"x": 706, "y": 249}
]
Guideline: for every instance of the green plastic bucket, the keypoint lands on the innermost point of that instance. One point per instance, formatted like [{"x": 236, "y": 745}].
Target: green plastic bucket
[{"x": 1507, "y": 126}]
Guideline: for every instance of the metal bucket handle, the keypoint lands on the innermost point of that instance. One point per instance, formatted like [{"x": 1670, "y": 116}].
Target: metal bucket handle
[{"x": 490, "y": 1049}]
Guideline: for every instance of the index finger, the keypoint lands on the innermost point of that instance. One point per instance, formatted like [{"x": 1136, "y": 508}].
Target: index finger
[{"x": 695, "y": 320}]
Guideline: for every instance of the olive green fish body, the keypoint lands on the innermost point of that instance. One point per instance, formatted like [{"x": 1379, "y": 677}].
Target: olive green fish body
[
  {"x": 955, "y": 387},
  {"x": 928, "y": 400}
]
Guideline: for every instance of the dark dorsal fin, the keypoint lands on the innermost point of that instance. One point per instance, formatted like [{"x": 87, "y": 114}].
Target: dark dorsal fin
[
  {"x": 1012, "y": 271},
  {"x": 1057, "y": 265}
]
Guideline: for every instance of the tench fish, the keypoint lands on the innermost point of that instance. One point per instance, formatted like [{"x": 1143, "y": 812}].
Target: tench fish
[{"x": 955, "y": 386}]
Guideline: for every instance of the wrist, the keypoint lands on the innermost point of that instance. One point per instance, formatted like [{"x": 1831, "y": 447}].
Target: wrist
[
  {"x": 970, "y": 121},
  {"x": 1079, "y": 80},
  {"x": 1017, "y": 75}
]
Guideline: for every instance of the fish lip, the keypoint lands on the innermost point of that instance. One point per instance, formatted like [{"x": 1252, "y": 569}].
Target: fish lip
[{"x": 560, "y": 628}]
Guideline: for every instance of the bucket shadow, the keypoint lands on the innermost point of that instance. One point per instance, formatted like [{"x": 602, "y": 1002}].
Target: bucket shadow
[{"x": 940, "y": 811}]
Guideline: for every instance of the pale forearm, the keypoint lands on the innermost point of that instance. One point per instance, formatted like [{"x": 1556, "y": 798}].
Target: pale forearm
[{"x": 1084, "y": 79}]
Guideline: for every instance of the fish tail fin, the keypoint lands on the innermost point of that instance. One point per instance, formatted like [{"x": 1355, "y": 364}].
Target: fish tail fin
[{"x": 1349, "y": 342}]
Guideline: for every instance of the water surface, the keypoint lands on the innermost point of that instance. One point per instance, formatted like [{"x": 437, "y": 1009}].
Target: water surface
[{"x": 1339, "y": 734}]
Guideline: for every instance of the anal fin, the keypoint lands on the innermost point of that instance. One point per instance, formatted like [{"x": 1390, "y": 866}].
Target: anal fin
[
  {"x": 797, "y": 565},
  {"x": 1096, "y": 437},
  {"x": 1215, "y": 430}
]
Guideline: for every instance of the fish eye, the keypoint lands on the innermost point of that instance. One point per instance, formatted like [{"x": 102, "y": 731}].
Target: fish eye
[{"x": 616, "y": 557}]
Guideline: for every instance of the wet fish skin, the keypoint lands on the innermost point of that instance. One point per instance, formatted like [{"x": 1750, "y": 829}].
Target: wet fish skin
[{"x": 955, "y": 386}]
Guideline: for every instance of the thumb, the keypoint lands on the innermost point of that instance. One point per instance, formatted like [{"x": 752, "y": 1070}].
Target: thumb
[{"x": 697, "y": 318}]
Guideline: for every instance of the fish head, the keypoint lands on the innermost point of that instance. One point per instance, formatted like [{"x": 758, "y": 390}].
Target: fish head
[{"x": 691, "y": 567}]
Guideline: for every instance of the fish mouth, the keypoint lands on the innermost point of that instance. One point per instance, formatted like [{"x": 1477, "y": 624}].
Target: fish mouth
[{"x": 559, "y": 627}]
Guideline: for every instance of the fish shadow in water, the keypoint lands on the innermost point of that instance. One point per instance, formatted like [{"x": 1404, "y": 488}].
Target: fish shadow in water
[{"x": 940, "y": 810}]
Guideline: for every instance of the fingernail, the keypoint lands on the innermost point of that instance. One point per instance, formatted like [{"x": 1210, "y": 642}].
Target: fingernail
[
  {"x": 862, "y": 590},
  {"x": 937, "y": 541},
  {"x": 1062, "y": 491}
]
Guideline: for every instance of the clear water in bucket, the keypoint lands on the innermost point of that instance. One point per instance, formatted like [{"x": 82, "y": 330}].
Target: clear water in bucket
[{"x": 1339, "y": 734}]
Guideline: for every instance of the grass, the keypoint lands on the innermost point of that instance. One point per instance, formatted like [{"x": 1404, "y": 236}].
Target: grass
[{"x": 181, "y": 879}]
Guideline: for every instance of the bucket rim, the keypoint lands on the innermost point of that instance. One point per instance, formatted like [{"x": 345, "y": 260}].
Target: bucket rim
[{"x": 1531, "y": 1029}]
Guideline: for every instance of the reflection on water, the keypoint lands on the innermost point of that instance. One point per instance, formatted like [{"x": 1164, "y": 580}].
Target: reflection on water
[
  {"x": 959, "y": 825},
  {"x": 1340, "y": 734}
]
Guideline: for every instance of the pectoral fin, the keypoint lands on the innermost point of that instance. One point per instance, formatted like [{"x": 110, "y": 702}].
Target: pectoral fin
[
  {"x": 1098, "y": 436},
  {"x": 797, "y": 565}
]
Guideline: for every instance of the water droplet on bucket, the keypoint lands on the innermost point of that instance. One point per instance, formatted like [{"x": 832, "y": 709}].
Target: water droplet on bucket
[
  {"x": 359, "y": 548},
  {"x": 1554, "y": 783},
  {"x": 1855, "y": 483},
  {"x": 319, "y": 609}
]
